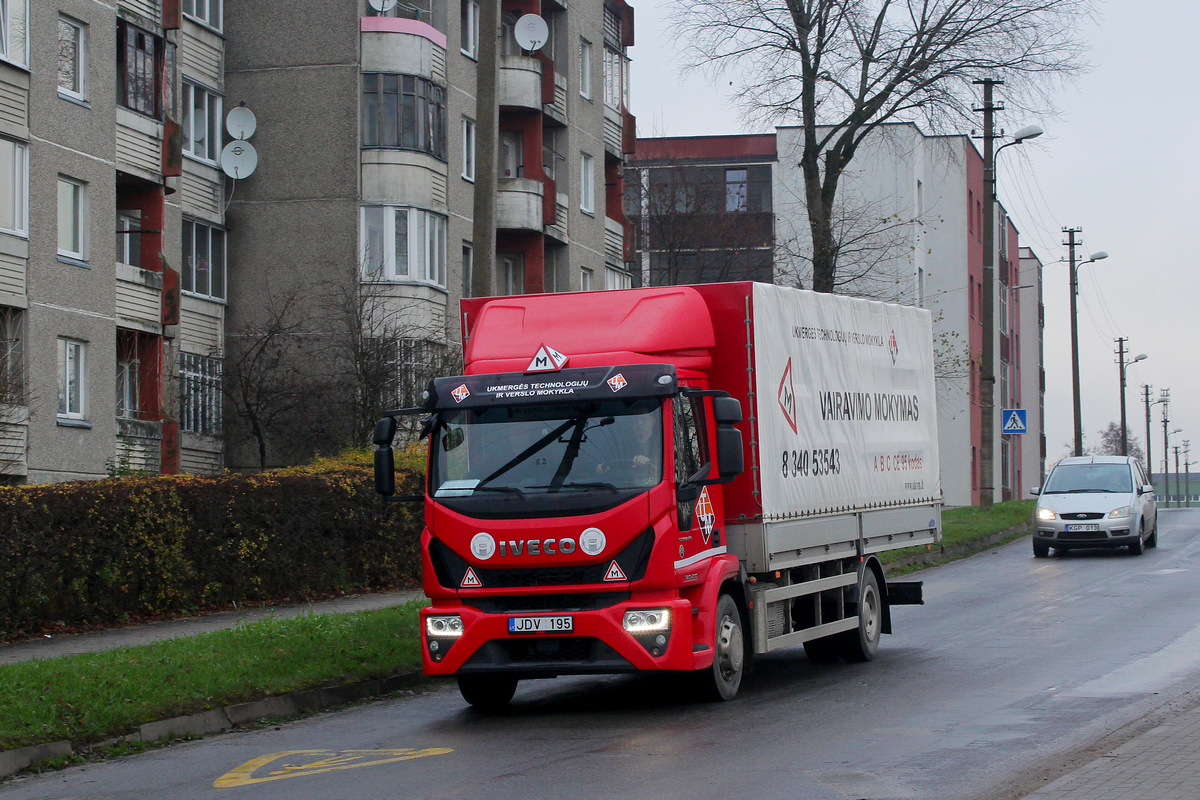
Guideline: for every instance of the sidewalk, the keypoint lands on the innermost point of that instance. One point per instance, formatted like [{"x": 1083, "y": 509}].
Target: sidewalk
[
  {"x": 1161, "y": 764},
  {"x": 133, "y": 635}
]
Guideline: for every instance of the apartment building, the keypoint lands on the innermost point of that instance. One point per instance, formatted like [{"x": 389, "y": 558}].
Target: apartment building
[
  {"x": 101, "y": 151},
  {"x": 363, "y": 203},
  {"x": 160, "y": 315},
  {"x": 911, "y": 220}
]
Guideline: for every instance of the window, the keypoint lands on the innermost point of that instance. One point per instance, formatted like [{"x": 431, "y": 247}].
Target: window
[
  {"x": 404, "y": 111},
  {"x": 12, "y": 372},
  {"x": 617, "y": 279},
  {"x": 14, "y": 31},
  {"x": 614, "y": 68},
  {"x": 139, "y": 57},
  {"x": 72, "y": 66},
  {"x": 14, "y": 187},
  {"x": 200, "y": 394},
  {"x": 585, "y": 279},
  {"x": 129, "y": 238},
  {"x": 206, "y": 11},
  {"x": 201, "y": 122},
  {"x": 512, "y": 273},
  {"x": 469, "y": 27},
  {"x": 72, "y": 213},
  {"x": 585, "y": 69},
  {"x": 128, "y": 375},
  {"x": 72, "y": 366},
  {"x": 587, "y": 183},
  {"x": 203, "y": 260},
  {"x": 403, "y": 244},
  {"x": 468, "y": 149},
  {"x": 468, "y": 268},
  {"x": 736, "y": 185},
  {"x": 512, "y": 154}
]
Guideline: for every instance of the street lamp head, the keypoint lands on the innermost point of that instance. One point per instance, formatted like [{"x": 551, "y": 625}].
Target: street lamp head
[
  {"x": 1099, "y": 255},
  {"x": 1137, "y": 358},
  {"x": 1028, "y": 132}
]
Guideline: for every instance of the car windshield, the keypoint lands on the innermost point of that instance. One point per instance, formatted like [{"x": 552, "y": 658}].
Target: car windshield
[
  {"x": 600, "y": 446},
  {"x": 1068, "y": 478}
]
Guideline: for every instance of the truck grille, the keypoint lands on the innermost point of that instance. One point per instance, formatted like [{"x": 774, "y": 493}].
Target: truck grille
[{"x": 584, "y": 601}]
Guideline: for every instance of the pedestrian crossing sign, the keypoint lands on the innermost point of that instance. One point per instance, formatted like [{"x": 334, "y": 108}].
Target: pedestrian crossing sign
[{"x": 1014, "y": 421}]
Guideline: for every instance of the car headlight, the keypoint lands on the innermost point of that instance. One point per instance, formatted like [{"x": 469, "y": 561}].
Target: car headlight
[
  {"x": 444, "y": 627},
  {"x": 1120, "y": 513},
  {"x": 657, "y": 619},
  {"x": 1045, "y": 513}
]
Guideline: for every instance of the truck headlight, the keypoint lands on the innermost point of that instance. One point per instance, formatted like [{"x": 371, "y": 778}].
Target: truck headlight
[
  {"x": 1120, "y": 513},
  {"x": 1045, "y": 513},
  {"x": 443, "y": 627},
  {"x": 657, "y": 619}
]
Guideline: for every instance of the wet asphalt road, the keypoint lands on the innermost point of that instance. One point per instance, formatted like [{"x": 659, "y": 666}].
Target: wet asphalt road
[{"x": 1012, "y": 663}]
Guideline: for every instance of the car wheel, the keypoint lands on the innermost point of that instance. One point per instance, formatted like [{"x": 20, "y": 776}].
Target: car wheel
[
  {"x": 487, "y": 692},
  {"x": 1152, "y": 541},
  {"x": 1040, "y": 550},
  {"x": 1135, "y": 548}
]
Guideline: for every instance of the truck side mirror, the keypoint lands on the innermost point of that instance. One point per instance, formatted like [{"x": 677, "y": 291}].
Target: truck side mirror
[
  {"x": 730, "y": 456},
  {"x": 726, "y": 410},
  {"x": 385, "y": 461}
]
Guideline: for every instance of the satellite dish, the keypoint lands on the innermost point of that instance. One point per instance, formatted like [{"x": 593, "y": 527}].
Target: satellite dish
[
  {"x": 241, "y": 123},
  {"x": 531, "y": 32},
  {"x": 239, "y": 159},
  {"x": 382, "y": 6}
]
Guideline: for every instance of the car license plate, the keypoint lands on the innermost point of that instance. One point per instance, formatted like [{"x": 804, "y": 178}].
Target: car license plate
[
  {"x": 1086, "y": 527},
  {"x": 564, "y": 624}
]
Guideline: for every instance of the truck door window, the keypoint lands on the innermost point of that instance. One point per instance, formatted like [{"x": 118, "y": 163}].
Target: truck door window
[{"x": 690, "y": 449}]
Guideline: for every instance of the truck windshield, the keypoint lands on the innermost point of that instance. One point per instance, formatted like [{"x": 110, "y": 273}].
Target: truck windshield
[{"x": 607, "y": 447}]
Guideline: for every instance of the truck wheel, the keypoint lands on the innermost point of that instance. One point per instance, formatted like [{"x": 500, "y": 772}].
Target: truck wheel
[
  {"x": 487, "y": 692},
  {"x": 722, "y": 679},
  {"x": 863, "y": 644}
]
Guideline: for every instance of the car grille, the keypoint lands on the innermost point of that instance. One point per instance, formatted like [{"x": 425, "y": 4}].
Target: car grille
[
  {"x": 1083, "y": 535},
  {"x": 1082, "y": 515}
]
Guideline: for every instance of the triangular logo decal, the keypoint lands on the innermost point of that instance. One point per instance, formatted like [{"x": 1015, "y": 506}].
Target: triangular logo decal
[
  {"x": 614, "y": 573},
  {"x": 787, "y": 397},
  {"x": 547, "y": 360},
  {"x": 471, "y": 579}
]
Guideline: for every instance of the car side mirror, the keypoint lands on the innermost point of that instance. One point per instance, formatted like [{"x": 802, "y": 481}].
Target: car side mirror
[
  {"x": 1148, "y": 488},
  {"x": 1035, "y": 491}
]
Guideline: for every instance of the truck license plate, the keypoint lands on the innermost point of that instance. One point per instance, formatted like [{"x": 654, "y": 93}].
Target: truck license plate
[
  {"x": 564, "y": 624},
  {"x": 1087, "y": 527}
]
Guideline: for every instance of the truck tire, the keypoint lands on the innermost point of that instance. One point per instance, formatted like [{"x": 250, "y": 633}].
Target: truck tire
[
  {"x": 487, "y": 692},
  {"x": 862, "y": 644},
  {"x": 722, "y": 679}
]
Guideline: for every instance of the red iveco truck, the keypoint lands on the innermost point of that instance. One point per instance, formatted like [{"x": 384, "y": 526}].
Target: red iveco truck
[{"x": 671, "y": 478}]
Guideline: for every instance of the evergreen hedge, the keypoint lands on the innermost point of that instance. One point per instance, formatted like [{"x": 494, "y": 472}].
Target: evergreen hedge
[{"x": 103, "y": 552}]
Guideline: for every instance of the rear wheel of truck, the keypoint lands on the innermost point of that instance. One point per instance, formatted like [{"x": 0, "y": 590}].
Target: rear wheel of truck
[
  {"x": 722, "y": 679},
  {"x": 487, "y": 692},
  {"x": 862, "y": 644}
]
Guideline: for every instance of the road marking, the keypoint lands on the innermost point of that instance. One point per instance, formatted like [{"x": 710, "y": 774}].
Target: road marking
[
  {"x": 1149, "y": 674},
  {"x": 314, "y": 762}
]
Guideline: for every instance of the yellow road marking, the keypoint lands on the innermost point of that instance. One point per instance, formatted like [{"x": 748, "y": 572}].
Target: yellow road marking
[{"x": 324, "y": 761}]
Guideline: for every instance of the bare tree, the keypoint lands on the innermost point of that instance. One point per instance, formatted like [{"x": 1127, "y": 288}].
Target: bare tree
[
  {"x": 1110, "y": 443},
  {"x": 845, "y": 68}
]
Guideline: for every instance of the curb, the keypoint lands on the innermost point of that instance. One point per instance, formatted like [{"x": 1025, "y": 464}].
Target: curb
[{"x": 215, "y": 720}]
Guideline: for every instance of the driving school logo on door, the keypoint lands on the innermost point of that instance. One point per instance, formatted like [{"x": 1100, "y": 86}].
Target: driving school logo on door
[{"x": 707, "y": 515}]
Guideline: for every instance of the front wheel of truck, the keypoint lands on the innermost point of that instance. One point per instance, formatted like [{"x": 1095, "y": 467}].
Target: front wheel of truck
[
  {"x": 722, "y": 679},
  {"x": 487, "y": 692}
]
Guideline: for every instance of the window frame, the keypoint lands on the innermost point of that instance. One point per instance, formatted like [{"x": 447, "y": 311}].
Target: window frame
[
  {"x": 587, "y": 184},
  {"x": 614, "y": 78},
  {"x": 79, "y": 221},
  {"x": 468, "y": 18},
  {"x": 468, "y": 267},
  {"x": 511, "y": 273},
  {"x": 129, "y": 241},
  {"x": 424, "y": 107},
  {"x": 79, "y": 60},
  {"x": 585, "y": 68},
  {"x": 424, "y": 245},
  {"x": 188, "y": 274},
  {"x": 468, "y": 149},
  {"x": 72, "y": 375},
  {"x": 141, "y": 99},
  {"x": 201, "y": 402},
  {"x": 206, "y": 19},
  {"x": 8, "y": 20},
  {"x": 20, "y": 189},
  {"x": 213, "y": 109},
  {"x": 12, "y": 355}
]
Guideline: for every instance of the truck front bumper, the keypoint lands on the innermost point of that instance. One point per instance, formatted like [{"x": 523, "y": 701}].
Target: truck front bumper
[{"x": 598, "y": 642}]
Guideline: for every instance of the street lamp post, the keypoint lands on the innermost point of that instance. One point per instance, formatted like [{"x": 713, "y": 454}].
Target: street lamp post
[
  {"x": 987, "y": 383},
  {"x": 1123, "y": 366},
  {"x": 1075, "y": 344},
  {"x": 1149, "y": 459},
  {"x": 1187, "y": 473}
]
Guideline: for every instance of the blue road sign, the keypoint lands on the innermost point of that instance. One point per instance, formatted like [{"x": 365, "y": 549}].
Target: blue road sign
[{"x": 1014, "y": 421}]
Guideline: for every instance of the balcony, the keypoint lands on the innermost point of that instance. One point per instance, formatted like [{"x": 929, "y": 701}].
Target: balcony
[
  {"x": 139, "y": 445},
  {"x": 520, "y": 82},
  {"x": 519, "y": 204},
  {"x": 139, "y": 298}
]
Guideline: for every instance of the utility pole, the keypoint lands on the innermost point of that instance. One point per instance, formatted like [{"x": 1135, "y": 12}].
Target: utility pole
[
  {"x": 1121, "y": 366},
  {"x": 987, "y": 378},
  {"x": 1177, "y": 495},
  {"x": 487, "y": 130},
  {"x": 1071, "y": 244},
  {"x": 1149, "y": 460},
  {"x": 1187, "y": 474},
  {"x": 1164, "y": 397}
]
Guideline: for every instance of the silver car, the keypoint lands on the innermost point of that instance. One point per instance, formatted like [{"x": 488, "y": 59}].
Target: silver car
[{"x": 1095, "y": 501}]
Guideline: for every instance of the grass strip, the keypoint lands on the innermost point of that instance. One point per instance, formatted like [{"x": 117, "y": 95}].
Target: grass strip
[
  {"x": 93, "y": 696},
  {"x": 965, "y": 526}
]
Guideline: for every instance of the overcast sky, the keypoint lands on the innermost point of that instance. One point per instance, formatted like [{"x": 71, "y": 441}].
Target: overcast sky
[{"x": 1120, "y": 163}]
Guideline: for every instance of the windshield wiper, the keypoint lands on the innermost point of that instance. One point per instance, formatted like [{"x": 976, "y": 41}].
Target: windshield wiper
[
  {"x": 593, "y": 485},
  {"x": 505, "y": 489}
]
